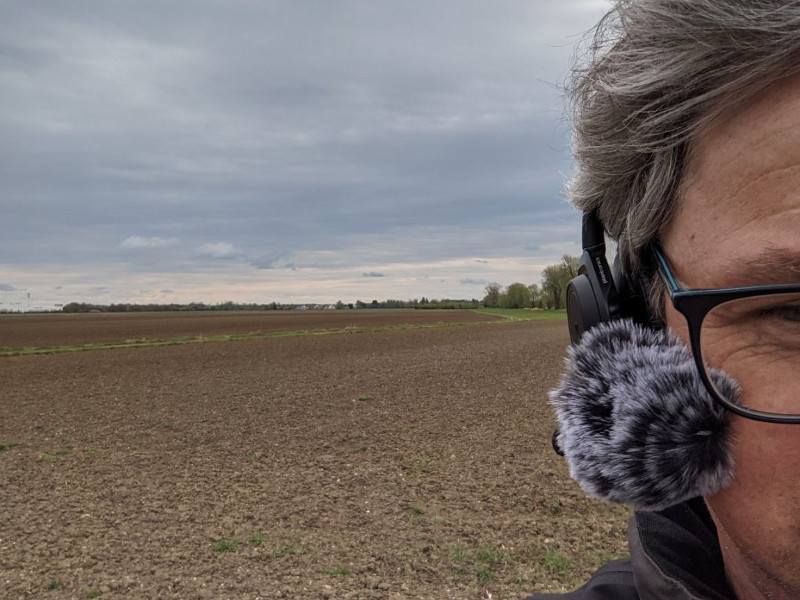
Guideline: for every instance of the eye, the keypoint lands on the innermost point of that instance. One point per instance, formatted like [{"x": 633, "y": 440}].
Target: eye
[
  {"x": 789, "y": 312},
  {"x": 771, "y": 320}
]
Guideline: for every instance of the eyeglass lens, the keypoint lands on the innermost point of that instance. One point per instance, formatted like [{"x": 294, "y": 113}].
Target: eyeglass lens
[{"x": 756, "y": 340}]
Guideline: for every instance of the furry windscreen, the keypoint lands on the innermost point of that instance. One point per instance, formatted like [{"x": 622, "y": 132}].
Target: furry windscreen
[{"x": 636, "y": 422}]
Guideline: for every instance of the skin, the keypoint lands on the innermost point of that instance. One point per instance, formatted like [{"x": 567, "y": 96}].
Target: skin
[{"x": 741, "y": 196}]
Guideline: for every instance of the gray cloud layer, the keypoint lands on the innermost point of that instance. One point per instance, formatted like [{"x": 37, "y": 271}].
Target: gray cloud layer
[{"x": 165, "y": 137}]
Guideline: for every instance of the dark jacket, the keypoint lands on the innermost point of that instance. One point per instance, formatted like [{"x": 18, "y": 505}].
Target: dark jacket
[{"x": 674, "y": 555}]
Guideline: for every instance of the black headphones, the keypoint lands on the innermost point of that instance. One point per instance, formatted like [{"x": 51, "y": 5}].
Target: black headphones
[
  {"x": 631, "y": 392},
  {"x": 599, "y": 293}
]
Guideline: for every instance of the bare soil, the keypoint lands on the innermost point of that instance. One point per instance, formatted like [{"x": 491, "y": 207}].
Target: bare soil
[
  {"x": 392, "y": 464},
  {"x": 57, "y": 329}
]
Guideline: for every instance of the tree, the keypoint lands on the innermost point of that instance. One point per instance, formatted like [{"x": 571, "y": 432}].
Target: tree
[
  {"x": 536, "y": 294},
  {"x": 517, "y": 295},
  {"x": 551, "y": 287},
  {"x": 492, "y": 297},
  {"x": 570, "y": 264},
  {"x": 555, "y": 279}
]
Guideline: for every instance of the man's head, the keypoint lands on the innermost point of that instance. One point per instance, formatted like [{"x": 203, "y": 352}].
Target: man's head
[
  {"x": 687, "y": 130},
  {"x": 740, "y": 201},
  {"x": 659, "y": 71}
]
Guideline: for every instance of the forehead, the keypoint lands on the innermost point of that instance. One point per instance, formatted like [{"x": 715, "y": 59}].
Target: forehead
[{"x": 741, "y": 192}]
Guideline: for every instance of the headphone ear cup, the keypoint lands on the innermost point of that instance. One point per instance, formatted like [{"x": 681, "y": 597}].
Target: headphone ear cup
[{"x": 583, "y": 311}]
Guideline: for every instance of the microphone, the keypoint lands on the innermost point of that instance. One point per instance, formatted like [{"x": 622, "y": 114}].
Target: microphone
[{"x": 636, "y": 423}]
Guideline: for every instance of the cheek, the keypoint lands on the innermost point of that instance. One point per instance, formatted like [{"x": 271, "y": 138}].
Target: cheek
[{"x": 760, "y": 509}]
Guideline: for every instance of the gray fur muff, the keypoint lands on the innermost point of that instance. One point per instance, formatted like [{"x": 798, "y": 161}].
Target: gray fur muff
[{"x": 636, "y": 422}]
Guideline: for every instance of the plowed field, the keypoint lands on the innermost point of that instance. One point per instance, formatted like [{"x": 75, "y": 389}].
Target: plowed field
[
  {"x": 389, "y": 464},
  {"x": 83, "y": 328}
]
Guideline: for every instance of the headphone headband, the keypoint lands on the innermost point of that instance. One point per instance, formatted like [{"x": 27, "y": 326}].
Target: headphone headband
[{"x": 592, "y": 235}]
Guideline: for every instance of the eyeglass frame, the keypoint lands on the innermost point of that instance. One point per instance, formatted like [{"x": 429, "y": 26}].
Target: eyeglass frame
[{"x": 695, "y": 304}]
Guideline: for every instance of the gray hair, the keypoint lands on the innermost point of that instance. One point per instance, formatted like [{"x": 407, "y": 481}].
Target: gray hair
[{"x": 658, "y": 72}]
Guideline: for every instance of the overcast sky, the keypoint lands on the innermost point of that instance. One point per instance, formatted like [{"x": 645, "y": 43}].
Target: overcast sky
[{"x": 297, "y": 150}]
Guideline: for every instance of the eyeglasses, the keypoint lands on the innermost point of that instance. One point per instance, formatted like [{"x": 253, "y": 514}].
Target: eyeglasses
[{"x": 753, "y": 334}]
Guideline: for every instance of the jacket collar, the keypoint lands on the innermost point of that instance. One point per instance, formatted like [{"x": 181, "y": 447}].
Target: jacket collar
[{"x": 675, "y": 554}]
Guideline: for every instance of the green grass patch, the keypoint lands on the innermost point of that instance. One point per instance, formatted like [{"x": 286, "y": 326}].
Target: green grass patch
[
  {"x": 55, "y": 584},
  {"x": 364, "y": 397},
  {"x": 337, "y": 572},
  {"x": 8, "y": 445},
  {"x": 232, "y": 337},
  {"x": 524, "y": 314},
  {"x": 224, "y": 545},
  {"x": 46, "y": 456},
  {"x": 489, "y": 555},
  {"x": 556, "y": 563},
  {"x": 257, "y": 540},
  {"x": 484, "y": 575},
  {"x": 487, "y": 562}
]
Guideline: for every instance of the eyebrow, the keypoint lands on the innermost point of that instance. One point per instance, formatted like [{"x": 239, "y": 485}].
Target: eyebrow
[{"x": 773, "y": 266}]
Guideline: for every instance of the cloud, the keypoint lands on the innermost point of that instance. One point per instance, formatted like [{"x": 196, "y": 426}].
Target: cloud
[
  {"x": 269, "y": 261},
  {"x": 5, "y": 287},
  {"x": 216, "y": 250},
  {"x": 239, "y": 281},
  {"x": 376, "y": 152},
  {"x": 470, "y": 281},
  {"x": 167, "y": 291},
  {"x": 137, "y": 242},
  {"x": 373, "y": 274}
]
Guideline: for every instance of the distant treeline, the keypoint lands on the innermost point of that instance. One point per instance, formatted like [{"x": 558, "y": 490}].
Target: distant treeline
[
  {"x": 84, "y": 307},
  {"x": 422, "y": 303},
  {"x": 550, "y": 294}
]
